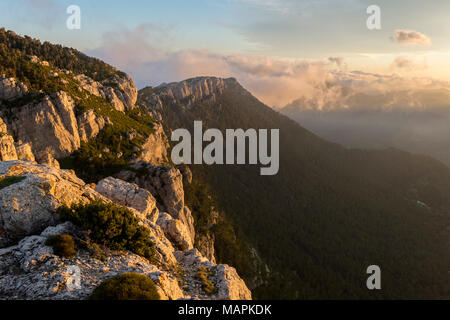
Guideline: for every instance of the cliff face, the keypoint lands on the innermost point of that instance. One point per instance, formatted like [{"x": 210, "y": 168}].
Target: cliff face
[
  {"x": 51, "y": 127},
  {"x": 120, "y": 92},
  {"x": 184, "y": 95},
  {"x": 31, "y": 270},
  {"x": 84, "y": 113}
]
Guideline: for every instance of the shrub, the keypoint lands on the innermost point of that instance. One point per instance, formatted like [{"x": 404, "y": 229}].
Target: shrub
[
  {"x": 127, "y": 286},
  {"x": 62, "y": 244},
  {"x": 111, "y": 225},
  {"x": 7, "y": 181},
  {"x": 202, "y": 275}
]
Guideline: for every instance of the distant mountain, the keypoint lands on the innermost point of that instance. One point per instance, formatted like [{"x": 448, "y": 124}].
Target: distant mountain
[
  {"x": 415, "y": 120},
  {"x": 330, "y": 212}
]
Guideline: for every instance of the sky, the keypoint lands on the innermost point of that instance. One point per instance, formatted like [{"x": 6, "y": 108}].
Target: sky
[{"x": 278, "y": 49}]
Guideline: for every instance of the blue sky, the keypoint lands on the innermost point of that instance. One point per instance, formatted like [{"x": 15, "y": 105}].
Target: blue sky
[{"x": 159, "y": 41}]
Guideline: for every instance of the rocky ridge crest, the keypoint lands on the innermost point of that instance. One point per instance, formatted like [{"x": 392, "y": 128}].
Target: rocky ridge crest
[{"x": 30, "y": 269}]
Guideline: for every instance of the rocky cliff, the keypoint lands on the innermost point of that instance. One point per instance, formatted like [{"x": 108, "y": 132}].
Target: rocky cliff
[
  {"x": 62, "y": 109},
  {"x": 49, "y": 127},
  {"x": 29, "y": 269}
]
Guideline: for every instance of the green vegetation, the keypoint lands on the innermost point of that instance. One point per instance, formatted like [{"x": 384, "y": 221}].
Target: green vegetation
[
  {"x": 15, "y": 62},
  {"x": 107, "y": 154},
  {"x": 110, "y": 225},
  {"x": 330, "y": 212},
  {"x": 117, "y": 143},
  {"x": 203, "y": 275},
  {"x": 127, "y": 286},
  {"x": 63, "y": 245},
  {"x": 115, "y": 146},
  {"x": 9, "y": 180},
  {"x": 229, "y": 244}
]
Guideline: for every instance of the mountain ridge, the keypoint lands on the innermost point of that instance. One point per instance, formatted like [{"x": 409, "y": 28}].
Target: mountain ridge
[{"x": 54, "y": 117}]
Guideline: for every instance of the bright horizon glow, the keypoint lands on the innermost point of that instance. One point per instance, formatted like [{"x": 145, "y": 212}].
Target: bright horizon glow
[{"x": 163, "y": 41}]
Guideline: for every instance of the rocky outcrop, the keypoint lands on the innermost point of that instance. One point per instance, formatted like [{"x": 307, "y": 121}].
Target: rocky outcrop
[
  {"x": 28, "y": 206},
  {"x": 24, "y": 151},
  {"x": 154, "y": 150},
  {"x": 176, "y": 231},
  {"x": 228, "y": 285},
  {"x": 205, "y": 244},
  {"x": 129, "y": 195},
  {"x": 89, "y": 125},
  {"x": 192, "y": 90},
  {"x": 178, "y": 97},
  {"x": 166, "y": 184},
  {"x": 60, "y": 130},
  {"x": 10, "y": 88},
  {"x": 7, "y": 148},
  {"x": 120, "y": 92},
  {"x": 31, "y": 270},
  {"x": 57, "y": 123}
]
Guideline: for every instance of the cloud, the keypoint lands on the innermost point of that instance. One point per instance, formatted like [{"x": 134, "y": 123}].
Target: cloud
[
  {"x": 338, "y": 60},
  {"x": 145, "y": 53},
  {"x": 410, "y": 37},
  {"x": 403, "y": 63}
]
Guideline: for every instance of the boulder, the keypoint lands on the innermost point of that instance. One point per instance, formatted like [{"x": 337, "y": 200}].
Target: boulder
[
  {"x": 176, "y": 231},
  {"x": 30, "y": 270},
  {"x": 10, "y": 88},
  {"x": 229, "y": 285},
  {"x": 129, "y": 195},
  {"x": 28, "y": 206},
  {"x": 24, "y": 151},
  {"x": 7, "y": 148}
]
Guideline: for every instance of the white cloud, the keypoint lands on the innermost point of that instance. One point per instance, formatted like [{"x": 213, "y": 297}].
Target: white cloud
[
  {"x": 408, "y": 64},
  {"x": 145, "y": 54},
  {"x": 411, "y": 37}
]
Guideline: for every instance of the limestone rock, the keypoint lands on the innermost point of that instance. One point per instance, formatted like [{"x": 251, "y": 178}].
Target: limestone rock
[
  {"x": 229, "y": 285},
  {"x": 129, "y": 195},
  {"x": 24, "y": 152},
  {"x": 119, "y": 91},
  {"x": 166, "y": 183},
  {"x": 154, "y": 150},
  {"x": 7, "y": 148},
  {"x": 205, "y": 244},
  {"x": 43, "y": 275},
  {"x": 192, "y": 90},
  {"x": 175, "y": 230},
  {"x": 89, "y": 125},
  {"x": 58, "y": 130},
  {"x": 30, "y": 269},
  {"x": 46, "y": 157},
  {"x": 28, "y": 206},
  {"x": 168, "y": 285},
  {"x": 10, "y": 88}
]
